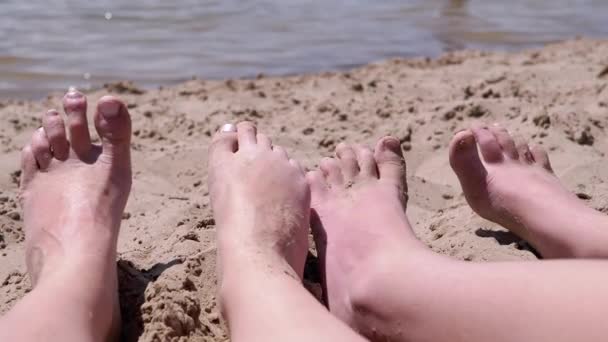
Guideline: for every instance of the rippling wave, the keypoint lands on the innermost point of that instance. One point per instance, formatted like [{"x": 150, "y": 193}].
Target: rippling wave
[{"x": 49, "y": 45}]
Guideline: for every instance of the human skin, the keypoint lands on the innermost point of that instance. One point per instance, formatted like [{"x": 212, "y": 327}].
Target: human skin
[
  {"x": 73, "y": 194},
  {"x": 261, "y": 204},
  {"x": 514, "y": 185},
  {"x": 388, "y": 286}
]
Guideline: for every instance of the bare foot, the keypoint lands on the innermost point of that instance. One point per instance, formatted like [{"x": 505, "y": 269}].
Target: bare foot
[
  {"x": 261, "y": 203},
  {"x": 359, "y": 201},
  {"x": 73, "y": 195},
  {"x": 515, "y": 186}
]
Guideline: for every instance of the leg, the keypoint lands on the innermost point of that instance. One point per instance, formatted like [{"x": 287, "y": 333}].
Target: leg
[
  {"x": 515, "y": 187},
  {"x": 358, "y": 202},
  {"x": 388, "y": 286},
  {"x": 261, "y": 204},
  {"x": 432, "y": 298},
  {"x": 73, "y": 195}
]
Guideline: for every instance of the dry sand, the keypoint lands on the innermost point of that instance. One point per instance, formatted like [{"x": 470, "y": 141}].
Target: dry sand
[{"x": 556, "y": 96}]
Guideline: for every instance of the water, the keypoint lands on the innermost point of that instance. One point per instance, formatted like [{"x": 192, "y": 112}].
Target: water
[{"x": 51, "y": 44}]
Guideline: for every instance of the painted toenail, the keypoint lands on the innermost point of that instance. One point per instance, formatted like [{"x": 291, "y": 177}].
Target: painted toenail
[
  {"x": 228, "y": 128},
  {"x": 73, "y": 93},
  {"x": 109, "y": 109}
]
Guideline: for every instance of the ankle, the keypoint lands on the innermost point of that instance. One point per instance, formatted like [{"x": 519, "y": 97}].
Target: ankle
[
  {"x": 245, "y": 265},
  {"x": 581, "y": 233},
  {"x": 591, "y": 243},
  {"x": 247, "y": 252},
  {"x": 92, "y": 301},
  {"x": 242, "y": 277},
  {"x": 392, "y": 279}
]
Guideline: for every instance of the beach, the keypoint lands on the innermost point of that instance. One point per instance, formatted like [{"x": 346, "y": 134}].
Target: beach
[{"x": 556, "y": 96}]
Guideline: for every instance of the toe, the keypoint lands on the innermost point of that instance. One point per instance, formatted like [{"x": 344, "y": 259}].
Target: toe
[
  {"x": 246, "y": 134},
  {"x": 541, "y": 157},
  {"x": 464, "y": 160},
  {"x": 367, "y": 163},
  {"x": 297, "y": 166},
  {"x": 41, "y": 148},
  {"x": 391, "y": 164},
  {"x": 113, "y": 123},
  {"x": 280, "y": 151},
  {"x": 75, "y": 107},
  {"x": 504, "y": 140},
  {"x": 28, "y": 166},
  {"x": 54, "y": 128},
  {"x": 523, "y": 150},
  {"x": 331, "y": 169},
  {"x": 318, "y": 186},
  {"x": 489, "y": 146},
  {"x": 224, "y": 142},
  {"x": 264, "y": 141},
  {"x": 348, "y": 161}
]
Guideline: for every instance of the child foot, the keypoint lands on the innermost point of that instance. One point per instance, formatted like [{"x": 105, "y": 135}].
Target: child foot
[
  {"x": 513, "y": 185},
  {"x": 261, "y": 204},
  {"x": 73, "y": 194},
  {"x": 359, "y": 200}
]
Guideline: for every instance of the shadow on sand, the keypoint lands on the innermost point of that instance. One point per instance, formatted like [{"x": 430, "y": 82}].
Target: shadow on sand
[
  {"x": 132, "y": 284},
  {"x": 507, "y": 238}
]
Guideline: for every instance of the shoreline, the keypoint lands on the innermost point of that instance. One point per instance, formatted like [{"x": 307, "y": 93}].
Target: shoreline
[
  {"x": 156, "y": 84},
  {"x": 556, "y": 96}
]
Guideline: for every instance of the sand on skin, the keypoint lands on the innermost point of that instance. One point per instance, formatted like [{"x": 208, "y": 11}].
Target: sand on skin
[{"x": 555, "y": 96}]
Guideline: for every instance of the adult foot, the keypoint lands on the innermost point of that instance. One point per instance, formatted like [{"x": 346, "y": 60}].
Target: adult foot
[
  {"x": 73, "y": 194},
  {"x": 261, "y": 204},
  {"x": 513, "y": 185},
  {"x": 360, "y": 226}
]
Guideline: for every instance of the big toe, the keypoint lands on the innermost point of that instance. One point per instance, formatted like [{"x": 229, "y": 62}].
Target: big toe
[
  {"x": 464, "y": 159},
  {"x": 390, "y": 161},
  {"x": 113, "y": 123},
  {"x": 225, "y": 141}
]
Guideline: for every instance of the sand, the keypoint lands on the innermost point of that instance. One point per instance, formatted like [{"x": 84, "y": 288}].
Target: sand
[{"x": 556, "y": 96}]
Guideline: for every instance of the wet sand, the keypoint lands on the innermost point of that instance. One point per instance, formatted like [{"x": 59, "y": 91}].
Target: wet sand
[{"x": 556, "y": 96}]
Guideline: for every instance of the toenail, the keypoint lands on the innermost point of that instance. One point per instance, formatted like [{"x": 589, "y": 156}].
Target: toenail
[
  {"x": 73, "y": 93},
  {"x": 468, "y": 140},
  {"x": 392, "y": 143},
  {"x": 109, "y": 109},
  {"x": 228, "y": 128}
]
